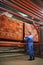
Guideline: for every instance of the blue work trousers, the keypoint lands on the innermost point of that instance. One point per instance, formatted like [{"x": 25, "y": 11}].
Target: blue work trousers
[{"x": 30, "y": 50}]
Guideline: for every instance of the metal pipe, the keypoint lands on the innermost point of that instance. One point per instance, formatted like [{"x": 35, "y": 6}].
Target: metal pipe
[
  {"x": 21, "y": 4},
  {"x": 34, "y": 5},
  {"x": 22, "y": 10},
  {"x": 1, "y": 8},
  {"x": 39, "y": 2},
  {"x": 28, "y": 5}
]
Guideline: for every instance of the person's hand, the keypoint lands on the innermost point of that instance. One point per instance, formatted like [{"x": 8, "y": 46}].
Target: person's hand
[{"x": 24, "y": 38}]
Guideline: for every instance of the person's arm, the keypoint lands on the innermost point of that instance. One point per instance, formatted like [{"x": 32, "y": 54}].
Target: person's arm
[{"x": 26, "y": 38}]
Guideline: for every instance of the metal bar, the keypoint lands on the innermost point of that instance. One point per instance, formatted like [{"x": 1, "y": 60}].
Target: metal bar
[
  {"x": 31, "y": 5},
  {"x": 1, "y": 8},
  {"x": 27, "y": 9},
  {"x": 9, "y": 44},
  {"x": 23, "y": 30},
  {"x": 39, "y": 2},
  {"x": 22, "y": 10},
  {"x": 28, "y": 5},
  {"x": 34, "y": 5}
]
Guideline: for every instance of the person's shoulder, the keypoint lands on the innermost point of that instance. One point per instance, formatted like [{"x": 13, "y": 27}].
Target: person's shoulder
[{"x": 31, "y": 36}]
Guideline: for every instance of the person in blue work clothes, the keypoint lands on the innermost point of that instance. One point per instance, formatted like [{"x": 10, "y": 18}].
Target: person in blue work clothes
[{"x": 30, "y": 48}]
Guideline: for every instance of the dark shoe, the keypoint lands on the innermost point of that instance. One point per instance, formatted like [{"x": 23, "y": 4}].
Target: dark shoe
[
  {"x": 33, "y": 58},
  {"x": 30, "y": 59}
]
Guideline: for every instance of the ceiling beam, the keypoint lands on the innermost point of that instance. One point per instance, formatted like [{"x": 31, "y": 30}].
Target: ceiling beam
[
  {"x": 28, "y": 5},
  {"x": 28, "y": 8},
  {"x": 39, "y": 2},
  {"x": 15, "y": 14},
  {"x": 20, "y": 9},
  {"x": 34, "y": 5}
]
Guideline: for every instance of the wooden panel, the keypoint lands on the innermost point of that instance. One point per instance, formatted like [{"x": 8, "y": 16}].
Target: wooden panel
[
  {"x": 30, "y": 28},
  {"x": 11, "y": 28}
]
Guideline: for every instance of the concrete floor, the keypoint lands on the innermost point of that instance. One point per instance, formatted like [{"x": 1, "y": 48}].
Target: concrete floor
[{"x": 19, "y": 59}]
